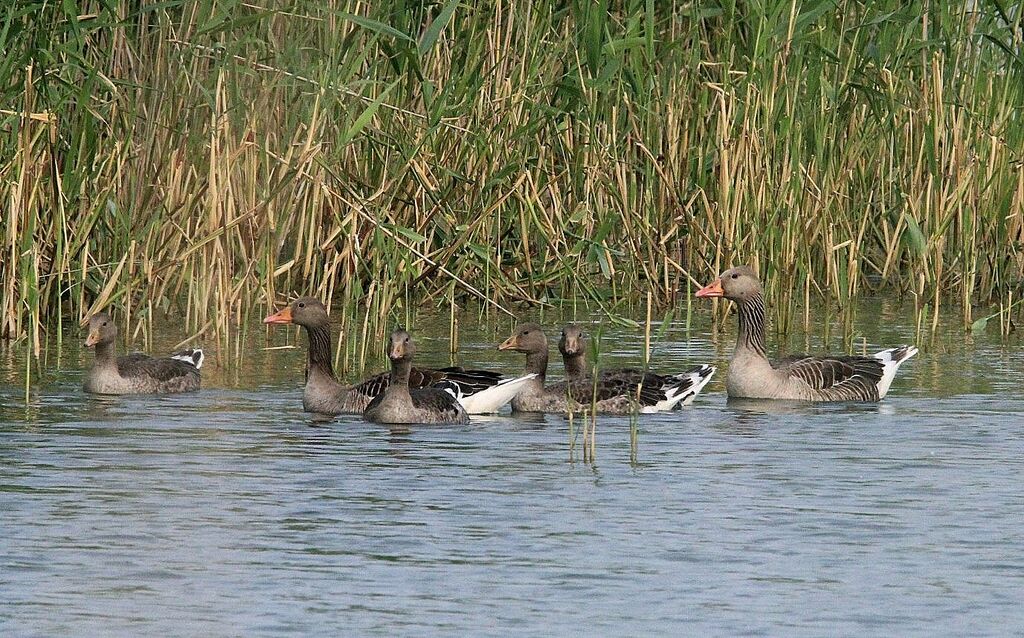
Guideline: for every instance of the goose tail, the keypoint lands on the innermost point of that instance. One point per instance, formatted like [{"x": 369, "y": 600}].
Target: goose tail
[
  {"x": 891, "y": 360},
  {"x": 486, "y": 401},
  {"x": 192, "y": 356},
  {"x": 683, "y": 388}
]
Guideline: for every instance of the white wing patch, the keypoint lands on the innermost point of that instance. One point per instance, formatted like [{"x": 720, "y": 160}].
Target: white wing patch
[
  {"x": 490, "y": 400},
  {"x": 891, "y": 360},
  {"x": 686, "y": 388},
  {"x": 193, "y": 356}
]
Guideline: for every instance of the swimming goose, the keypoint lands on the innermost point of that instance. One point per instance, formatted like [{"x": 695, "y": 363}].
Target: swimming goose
[
  {"x": 479, "y": 391},
  {"x": 570, "y": 346},
  {"x": 616, "y": 394},
  {"x": 616, "y": 390},
  {"x": 136, "y": 373},
  {"x": 802, "y": 378},
  {"x": 529, "y": 339},
  {"x": 399, "y": 404}
]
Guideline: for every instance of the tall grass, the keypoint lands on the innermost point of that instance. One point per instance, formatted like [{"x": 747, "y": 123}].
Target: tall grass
[{"x": 209, "y": 158}]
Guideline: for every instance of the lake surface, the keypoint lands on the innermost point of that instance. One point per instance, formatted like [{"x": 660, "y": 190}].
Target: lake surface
[{"x": 230, "y": 512}]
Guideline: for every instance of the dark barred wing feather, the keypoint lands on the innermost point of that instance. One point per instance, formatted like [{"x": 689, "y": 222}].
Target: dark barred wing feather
[
  {"x": 614, "y": 384},
  {"x": 373, "y": 387},
  {"x": 837, "y": 378},
  {"x": 163, "y": 369},
  {"x": 468, "y": 381}
]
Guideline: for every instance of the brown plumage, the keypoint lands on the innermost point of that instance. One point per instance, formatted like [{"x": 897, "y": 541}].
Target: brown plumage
[
  {"x": 529, "y": 339},
  {"x": 571, "y": 346},
  {"x": 136, "y": 373},
  {"x": 623, "y": 390},
  {"x": 400, "y": 404},
  {"x": 614, "y": 394},
  {"x": 324, "y": 394},
  {"x": 805, "y": 378}
]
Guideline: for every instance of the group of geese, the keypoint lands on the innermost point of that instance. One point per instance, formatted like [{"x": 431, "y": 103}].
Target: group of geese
[{"x": 409, "y": 394}]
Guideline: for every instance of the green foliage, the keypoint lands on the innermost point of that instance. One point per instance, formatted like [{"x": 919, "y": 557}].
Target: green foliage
[{"x": 217, "y": 155}]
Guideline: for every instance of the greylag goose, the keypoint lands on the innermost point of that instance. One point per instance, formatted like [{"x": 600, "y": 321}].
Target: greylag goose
[
  {"x": 802, "y": 378},
  {"x": 479, "y": 391},
  {"x": 617, "y": 389},
  {"x": 136, "y": 373},
  {"x": 529, "y": 339},
  {"x": 570, "y": 346},
  {"x": 399, "y": 404},
  {"x": 616, "y": 394}
]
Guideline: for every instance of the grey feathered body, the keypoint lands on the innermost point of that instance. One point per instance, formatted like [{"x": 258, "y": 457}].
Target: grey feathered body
[
  {"x": 398, "y": 405},
  {"x": 615, "y": 392},
  {"x": 534, "y": 397},
  {"x": 325, "y": 395},
  {"x": 803, "y": 377},
  {"x": 139, "y": 374}
]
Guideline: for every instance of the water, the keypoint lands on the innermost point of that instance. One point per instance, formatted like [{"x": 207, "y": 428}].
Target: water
[{"x": 232, "y": 513}]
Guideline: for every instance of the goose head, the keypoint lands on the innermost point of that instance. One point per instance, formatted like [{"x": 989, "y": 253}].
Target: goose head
[
  {"x": 528, "y": 338},
  {"x": 102, "y": 330},
  {"x": 571, "y": 343},
  {"x": 307, "y": 312},
  {"x": 400, "y": 346},
  {"x": 737, "y": 284}
]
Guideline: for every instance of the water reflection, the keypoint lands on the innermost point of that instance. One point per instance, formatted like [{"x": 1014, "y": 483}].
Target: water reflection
[{"x": 763, "y": 406}]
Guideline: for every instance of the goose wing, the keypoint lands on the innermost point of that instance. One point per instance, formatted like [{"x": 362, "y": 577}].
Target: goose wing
[
  {"x": 837, "y": 378},
  {"x": 468, "y": 381},
  {"x": 374, "y": 386},
  {"x": 162, "y": 369},
  {"x": 440, "y": 404}
]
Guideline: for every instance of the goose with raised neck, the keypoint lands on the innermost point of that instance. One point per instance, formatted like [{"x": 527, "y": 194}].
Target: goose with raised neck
[
  {"x": 803, "y": 378},
  {"x": 479, "y": 391},
  {"x": 400, "y": 404}
]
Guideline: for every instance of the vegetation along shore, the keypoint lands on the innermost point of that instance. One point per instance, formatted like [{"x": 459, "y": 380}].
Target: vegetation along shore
[{"x": 215, "y": 157}]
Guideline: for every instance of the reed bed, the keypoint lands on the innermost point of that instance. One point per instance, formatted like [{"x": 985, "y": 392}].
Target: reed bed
[{"x": 211, "y": 158}]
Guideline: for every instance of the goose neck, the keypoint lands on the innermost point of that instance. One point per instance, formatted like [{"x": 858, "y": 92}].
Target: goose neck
[
  {"x": 320, "y": 350},
  {"x": 537, "y": 363},
  {"x": 752, "y": 324},
  {"x": 575, "y": 365},
  {"x": 400, "y": 371}
]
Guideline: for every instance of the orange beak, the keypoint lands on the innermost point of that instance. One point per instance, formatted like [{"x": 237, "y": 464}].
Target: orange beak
[
  {"x": 397, "y": 351},
  {"x": 92, "y": 339},
  {"x": 509, "y": 344},
  {"x": 285, "y": 316},
  {"x": 572, "y": 346},
  {"x": 714, "y": 289}
]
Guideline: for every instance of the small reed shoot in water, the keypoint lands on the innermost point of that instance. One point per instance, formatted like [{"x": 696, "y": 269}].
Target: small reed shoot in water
[
  {"x": 590, "y": 416},
  {"x": 634, "y": 433}
]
